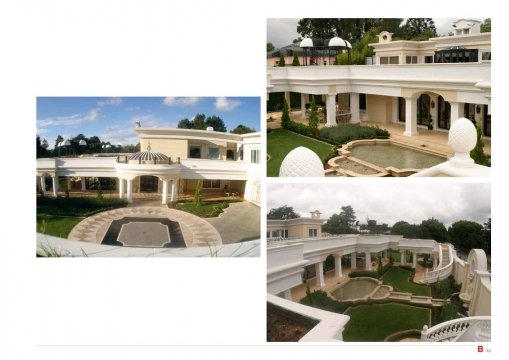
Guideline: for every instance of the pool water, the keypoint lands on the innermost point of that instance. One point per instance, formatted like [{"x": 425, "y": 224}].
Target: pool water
[
  {"x": 385, "y": 155},
  {"x": 355, "y": 289}
]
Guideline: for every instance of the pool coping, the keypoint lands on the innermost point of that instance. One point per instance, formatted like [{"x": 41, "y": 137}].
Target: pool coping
[{"x": 345, "y": 153}]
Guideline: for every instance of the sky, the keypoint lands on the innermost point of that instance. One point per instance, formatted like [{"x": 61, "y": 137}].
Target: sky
[
  {"x": 388, "y": 203},
  {"x": 281, "y": 32},
  {"x": 113, "y": 118}
]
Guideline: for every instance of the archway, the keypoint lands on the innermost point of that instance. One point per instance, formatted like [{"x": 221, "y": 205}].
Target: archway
[{"x": 149, "y": 183}]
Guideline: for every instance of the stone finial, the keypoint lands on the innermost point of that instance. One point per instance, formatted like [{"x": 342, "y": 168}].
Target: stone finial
[
  {"x": 301, "y": 162},
  {"x": 462, "y": 139}
]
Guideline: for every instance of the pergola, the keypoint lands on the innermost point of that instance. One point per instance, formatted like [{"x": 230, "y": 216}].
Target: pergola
[{"x": 321, "y": 47}]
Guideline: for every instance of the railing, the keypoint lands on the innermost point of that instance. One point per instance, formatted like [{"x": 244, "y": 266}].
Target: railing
[
  {"x": 475, "y": 328},
  {"x": 441, "y": 272}
]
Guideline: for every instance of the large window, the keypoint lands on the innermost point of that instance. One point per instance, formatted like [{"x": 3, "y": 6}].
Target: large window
[
  {"x": 401, "y": 109},
  {"x": 213, "y": 153},
  {"x": 255, "y": 156},
  {"x": 230, "y": 154},
  {"x": 384, "y": 60},
  {"x": 456, "y": 55},
  {"x": 444, "y": 114},
  {"x": 211, "y": 184},
  {"x": 313, "y": 232},
  {"x": 423, "y": 112},
  {"x": 394, "y": 60},
  {"x": 195, "y": 152},
  {"x": 428, "y": 59},
  {"x": 411, "y": 59}
]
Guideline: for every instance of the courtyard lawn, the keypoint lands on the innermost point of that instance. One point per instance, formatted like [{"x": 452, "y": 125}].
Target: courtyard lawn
[
  {"x": 206, "y": 209},
  {"x": 399, "y": 279},
  {"x": 280, "y": 142},
  {"x": 59, "y": 226},
  {"x": 376, "y": 322}
]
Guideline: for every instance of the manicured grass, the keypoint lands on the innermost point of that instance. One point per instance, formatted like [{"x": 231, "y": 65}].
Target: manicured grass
[
  {"x": 59, "y": 226},
  {"x": 399, "y": 279},
  {"x": 77, "y": 206},
  {"x": 280, "y": 142},
  {"x": 376, "y": 322},
  {"x": 206, "y": 209}
]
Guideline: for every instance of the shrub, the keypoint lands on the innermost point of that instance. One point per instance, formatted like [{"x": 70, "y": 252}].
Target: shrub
[
  {"x": 477, "y": 152},
  {"x": 285, "y": 116},
  {"x": 319, "y": 299},
  {"x": 313, "y": 118},
  {"x": 197, "y": 194},
  {"x": 78, "y": 206},
  {"x": 295, "y": 61},
  {"x": 341, "y": 134},
  {"x": 281, "y": 60}
]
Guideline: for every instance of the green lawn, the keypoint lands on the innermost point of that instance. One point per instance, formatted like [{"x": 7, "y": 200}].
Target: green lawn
[
  {"x": 399, "y": 279},
  {"x": 59, "y": 226},
  {"x": 206, "y": 209},
  {"x": 280, "y": 142},
  {"x": 376, "y": 322}
]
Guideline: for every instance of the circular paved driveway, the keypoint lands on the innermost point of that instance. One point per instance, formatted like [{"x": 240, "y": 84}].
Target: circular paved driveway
[{"x": 196, "y": 231}]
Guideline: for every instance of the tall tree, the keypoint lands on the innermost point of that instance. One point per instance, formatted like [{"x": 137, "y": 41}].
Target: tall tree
[
  {"x": 41, "y": 147},
  {"x": 282, "y": 213},
  {"x": 313, "y": 117},
  {"x": 270, "y": 47},
  {"x": 216, "y": 122},
  {"x": 415, "y": 27},
  {"x": 242, "y": 129},
  {"x": 409, "y": 231},
  {"x": 285, "y": 116},
  {"x": 342, "y": 223},
  {"x": 466, "y": 235},
  {"x": 486, "y": 25},
  {"x": 199, "y": 122},
  {"x": 185, "y": 124},
  {"x": 433, "y": 229}
]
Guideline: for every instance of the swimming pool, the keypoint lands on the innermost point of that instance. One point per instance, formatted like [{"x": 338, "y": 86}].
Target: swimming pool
[{"x": 391, "y": 154}]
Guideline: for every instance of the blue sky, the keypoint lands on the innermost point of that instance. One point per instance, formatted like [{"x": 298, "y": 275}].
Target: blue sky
[{"x": 113, "y": 118}]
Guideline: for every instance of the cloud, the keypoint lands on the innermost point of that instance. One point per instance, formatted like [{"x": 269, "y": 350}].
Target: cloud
[
  {"x": 224, "y": 104},
  {"x": 71, "y": 120},
  {"x": 113, "y": 101},
  {"x": 181, "y": 101},
  {"x": 150, "y": 121},
  {"x": 132, "y": 108}
]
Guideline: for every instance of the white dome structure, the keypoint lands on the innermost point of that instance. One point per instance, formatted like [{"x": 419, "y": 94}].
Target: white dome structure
[
  {"x": 307, "y": 42},
  {"x": 301, "y": 162},
  {"x": 462, "y": 139},
  {"x": 337, "y": 42}
]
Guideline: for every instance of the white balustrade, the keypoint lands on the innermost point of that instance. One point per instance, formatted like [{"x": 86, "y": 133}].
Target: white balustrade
[{"x": 473, "y": 329}]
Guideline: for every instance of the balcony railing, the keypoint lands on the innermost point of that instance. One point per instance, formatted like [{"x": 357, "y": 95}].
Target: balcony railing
[{"x": 473, "y": 329}]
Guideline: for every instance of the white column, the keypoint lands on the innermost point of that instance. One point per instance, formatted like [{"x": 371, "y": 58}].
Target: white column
[
  {"x": 55, "y": 185},
  {"x": 174, "y": 190},
  {"x": 410, "y": 117},
  {"x": 337, "y": 265},
  {"x": 354, "y": 108},
  {"x": 331, "y": 110},
  {"x": 165, "y": 192},
  {"x": 403, "y": 257},
  {"x": 367, "y": 260},
  {"x": 353, "y": 261},
  {"x": 414, "y": 260},
  {"x": 130, "y": 191},
  {"x": 457, "y": 110},
  {"x": 83, "y": 184},
  {"x": 42, "y": 184},
  {"x": 120, "y": 188},
  {"x": 287, "y": 98},
  {"x": 288, "y": 294},
  {"x": 320, "y": 283},
  {"x": 303, "y": 98},
  {"x": 435, "y": 262},
  {"x": 395, "y": 110}
]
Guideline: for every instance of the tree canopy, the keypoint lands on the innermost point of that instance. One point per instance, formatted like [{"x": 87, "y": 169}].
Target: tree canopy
[
  {"x": 282, "y": 213},
  {"x": 242, "y": 129},
  {"x": 466, "y": 235},
  {"x": 270, "y": 47},
  {"x": 486, "y": 25},
  {"x": 342, "y": 223},
  {"x": 200, "y": 122}
]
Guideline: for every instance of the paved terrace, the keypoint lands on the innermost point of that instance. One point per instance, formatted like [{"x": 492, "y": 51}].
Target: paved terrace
[{"x": 432, "y": 139}]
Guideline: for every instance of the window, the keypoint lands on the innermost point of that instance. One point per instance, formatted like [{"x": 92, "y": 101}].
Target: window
[
  {"x": 211, "y": 184},
  {"x": 411, "y": 59},
  {"x": 255, "y": 156},
  {"x": 401, "y": 109},
  {"x": 394, "y": 60},
  {"x": 428, "y": 59},
  {"x": 362, "y": 102},
  {"x": 486, "y": 55},
  {"x": 384, "y": 60},
  {"x": 213, "y": 153},
  {"x": 313, "y": 232},
  {"x": 423, "y": 109},
  {"x": 195, "y": 152},
  {"x": 230, "y": 154}
]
